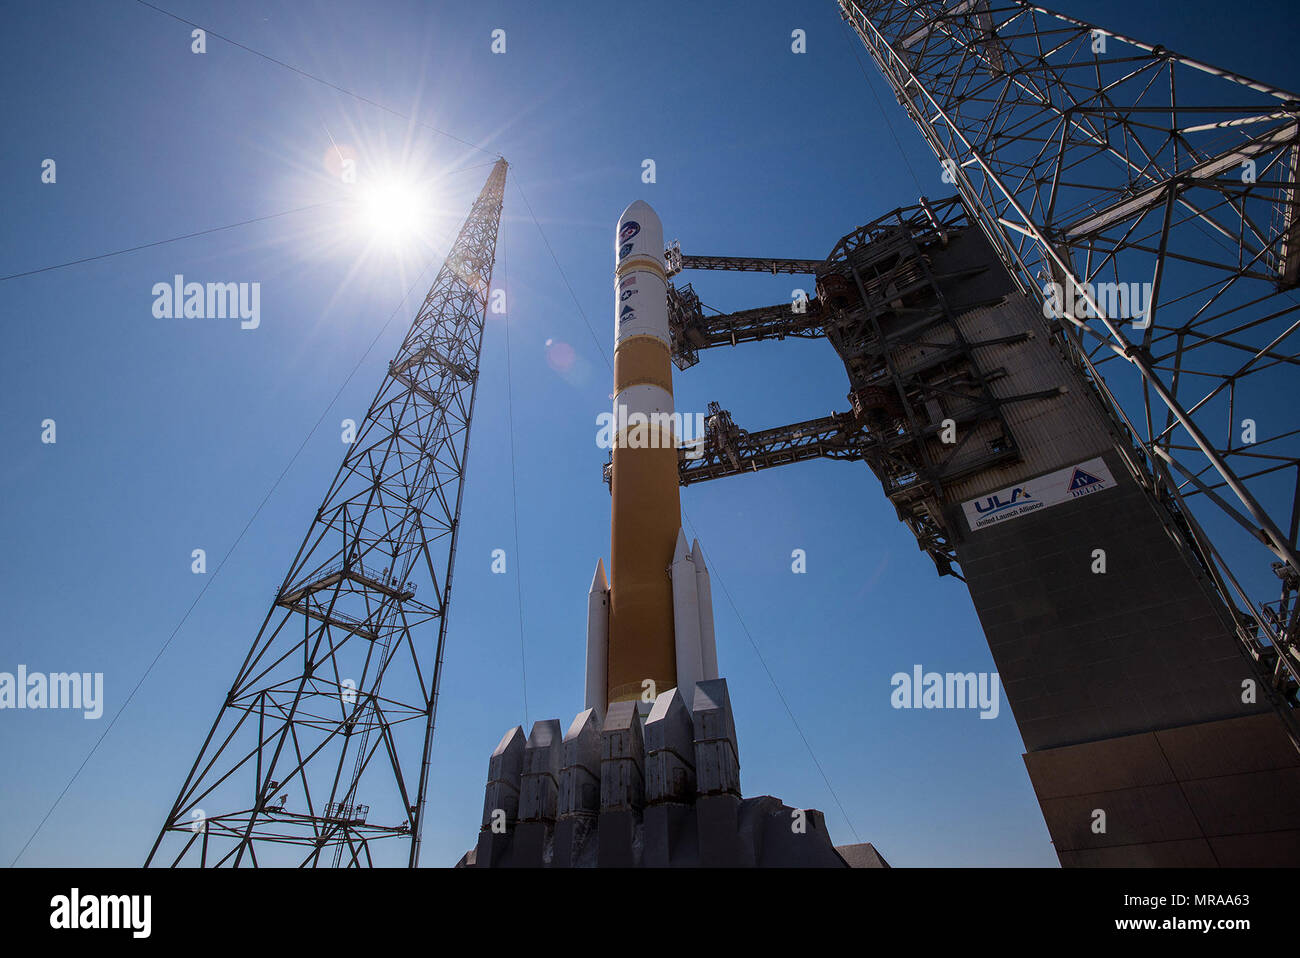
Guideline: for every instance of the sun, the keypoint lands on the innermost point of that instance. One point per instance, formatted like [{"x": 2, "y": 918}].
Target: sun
[{"x": 393, "y": 210}]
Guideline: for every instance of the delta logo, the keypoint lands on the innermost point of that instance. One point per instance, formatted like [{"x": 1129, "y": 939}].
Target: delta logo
[{"x": 1082, "y": 483}]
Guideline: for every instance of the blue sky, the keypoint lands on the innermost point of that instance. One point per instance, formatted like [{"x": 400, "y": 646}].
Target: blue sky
[{"x": 170, "y": 433}]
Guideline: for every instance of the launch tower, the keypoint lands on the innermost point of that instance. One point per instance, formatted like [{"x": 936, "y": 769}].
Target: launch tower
[
  {"x": 321, "y": 748},
  {"x": 1037, "y": 369}
]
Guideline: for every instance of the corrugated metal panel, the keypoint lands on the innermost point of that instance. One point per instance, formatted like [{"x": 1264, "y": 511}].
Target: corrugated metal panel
[{"x": 1051, "y": 432}]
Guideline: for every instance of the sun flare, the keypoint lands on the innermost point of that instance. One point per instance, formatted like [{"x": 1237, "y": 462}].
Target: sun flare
[{"x": 392, "y": 210}]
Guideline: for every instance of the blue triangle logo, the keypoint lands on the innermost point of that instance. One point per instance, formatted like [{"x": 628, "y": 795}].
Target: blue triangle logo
[{"x": 1081, "y": 479}]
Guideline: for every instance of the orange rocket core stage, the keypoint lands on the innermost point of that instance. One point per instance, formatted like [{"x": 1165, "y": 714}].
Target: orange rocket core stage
[{"x": 645, "y": 516}]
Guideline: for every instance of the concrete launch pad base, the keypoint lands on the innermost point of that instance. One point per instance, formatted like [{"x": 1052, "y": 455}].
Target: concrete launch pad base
[{"x": 623, "y": 792}]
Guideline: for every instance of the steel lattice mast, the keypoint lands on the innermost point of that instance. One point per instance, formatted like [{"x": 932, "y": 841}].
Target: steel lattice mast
[
  {"x": 323, "y": 744},
  {"x": 1088, "y": 157}
]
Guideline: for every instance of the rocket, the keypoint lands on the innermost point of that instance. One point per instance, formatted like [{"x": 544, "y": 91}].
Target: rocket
[{"x": 650, "y": 625}]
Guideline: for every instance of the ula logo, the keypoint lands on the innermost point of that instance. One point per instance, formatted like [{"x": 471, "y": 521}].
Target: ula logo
[{"x": 994, "y": 502}]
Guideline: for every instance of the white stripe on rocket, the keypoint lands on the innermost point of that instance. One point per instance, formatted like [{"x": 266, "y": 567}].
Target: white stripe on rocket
[
  {"x": 641, "y": 307},
  {"x": 646, "y": 399}
]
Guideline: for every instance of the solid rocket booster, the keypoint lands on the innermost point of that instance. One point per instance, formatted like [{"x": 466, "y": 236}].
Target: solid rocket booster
[
  {"x": 646, "y": 511},
  {"x": 597, "y": 640},
  {"x": 704, "y": 596}
]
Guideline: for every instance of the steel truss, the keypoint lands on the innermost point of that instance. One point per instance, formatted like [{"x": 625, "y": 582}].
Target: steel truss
[
  {"x": 336, "y": 701},
  {"x": 885, "y": 287},
  {"x": 1088, "y": 158}
]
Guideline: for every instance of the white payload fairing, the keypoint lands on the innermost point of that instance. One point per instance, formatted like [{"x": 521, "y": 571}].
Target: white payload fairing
[{"x": 650, "y": 628}]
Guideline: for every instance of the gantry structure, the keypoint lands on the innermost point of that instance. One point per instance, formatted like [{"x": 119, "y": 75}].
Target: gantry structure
[
  {"x": 1148, "y": 201},
  {"x": 320, "y": 753}
]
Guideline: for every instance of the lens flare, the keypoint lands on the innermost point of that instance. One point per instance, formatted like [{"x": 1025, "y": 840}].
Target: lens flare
[
  {"x": 392, "y": 210},
  {"x": 560, "y": 356}
]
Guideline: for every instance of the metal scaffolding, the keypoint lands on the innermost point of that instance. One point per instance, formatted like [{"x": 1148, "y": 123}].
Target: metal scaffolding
[
  {"x": 1094, "y": 162},
  {"x": 878, "y": 290},
  {"x": 336, "y": 701}
]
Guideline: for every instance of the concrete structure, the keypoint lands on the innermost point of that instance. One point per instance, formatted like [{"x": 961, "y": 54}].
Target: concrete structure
[
  {"x": 1147, "y": 729},
  {"x": 663, "y": 791}
]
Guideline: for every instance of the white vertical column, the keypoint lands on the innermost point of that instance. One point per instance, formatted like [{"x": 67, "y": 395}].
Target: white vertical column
[
  {"x": 704, "y": 594},
  {"x": 686, "y": 619},
  {"x": 597, "y": 640}
]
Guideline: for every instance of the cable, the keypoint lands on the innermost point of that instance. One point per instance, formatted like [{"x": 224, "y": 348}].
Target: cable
[
  {"x": 215, "y": 572},
  {"x": 594, "y": 338},
  {"x": 514, "y": 493},
  {"x": 312, "y": 76},
  {"x": 94, "y": 748},
  {"x": 215, "y": 229},
  {"x": 884, "y": 116},
  {"x": 174, "y": 239},
  {"x": 715, "y": 577},
  {"x": 476, "y": 166}
]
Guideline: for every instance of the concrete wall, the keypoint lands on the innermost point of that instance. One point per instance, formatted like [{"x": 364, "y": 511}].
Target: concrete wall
[
  {"x": 1127, "y": 688},
  {"x": 1086, "y": 656},
  {"x": 1221, "y": 793}
]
